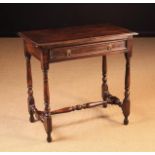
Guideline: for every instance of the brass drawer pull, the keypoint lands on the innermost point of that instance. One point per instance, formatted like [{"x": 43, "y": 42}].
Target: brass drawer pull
[
  {"x": 109, "y": 47},
  {"x": 69, "y": 52}
]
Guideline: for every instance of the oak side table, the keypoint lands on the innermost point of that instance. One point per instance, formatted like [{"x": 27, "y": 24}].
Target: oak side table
[{"x": 62, "y": 44}]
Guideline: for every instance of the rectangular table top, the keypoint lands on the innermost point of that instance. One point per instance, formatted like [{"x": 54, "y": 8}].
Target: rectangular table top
[{"x": 70, "y": 34}]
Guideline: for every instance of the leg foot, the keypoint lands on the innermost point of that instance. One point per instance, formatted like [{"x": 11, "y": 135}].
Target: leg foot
[
  {"x": 104, "y": 105},
  {"x": 31, "y": 118},
  {"x": 49, "y": 138},
  {"x": 48, "y": 127},
  {"x": 126, "y": 121},
  {"x": 126, "y": 111}
]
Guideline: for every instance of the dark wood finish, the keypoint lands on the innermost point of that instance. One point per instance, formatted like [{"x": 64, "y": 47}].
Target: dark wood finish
[
  {"x": 126, "y": 101},
  {"x": 47, "y": 118},
  {"x": 105, "y": 91},
  {"x": 36, "y": 52},
  {"x": 88, "y": 50},
  {"x": 30, "y": 99},
  {"x": 54, "y": 45},
  {"x": 69, "y": 34},
  {"x": 78, "y": 107}
]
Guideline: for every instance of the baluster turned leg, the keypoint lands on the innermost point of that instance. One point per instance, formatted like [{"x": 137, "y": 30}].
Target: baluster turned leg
[
  {"x": 126, "y": 101},
  {"x": 105, "y": 91},
  {"x": 47, "y": 117},
  {"x": 31, "y": 101}
]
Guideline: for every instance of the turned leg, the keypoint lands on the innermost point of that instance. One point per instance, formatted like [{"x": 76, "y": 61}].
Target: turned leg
[
  {"x": 105, "y": 91},
  {"x": 31, "y": 102},
  {"x": 126, "y": 101},
  {"x": 47, "y": 116}
]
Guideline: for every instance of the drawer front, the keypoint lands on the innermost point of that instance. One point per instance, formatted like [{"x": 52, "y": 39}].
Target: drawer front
[{"x": 95, "y": 49}]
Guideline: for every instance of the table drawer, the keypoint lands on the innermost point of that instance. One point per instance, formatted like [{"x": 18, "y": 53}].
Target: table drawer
[{"x": 72, "y": 52}]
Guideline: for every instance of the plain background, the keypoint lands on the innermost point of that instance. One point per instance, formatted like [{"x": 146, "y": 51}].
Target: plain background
[{"x": 19, "y": 17}]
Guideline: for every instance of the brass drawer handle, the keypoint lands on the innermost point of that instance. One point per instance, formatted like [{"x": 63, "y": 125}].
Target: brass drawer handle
[
  {"x": 109, "y": 47},
  {"x": 69, "y": 52}
]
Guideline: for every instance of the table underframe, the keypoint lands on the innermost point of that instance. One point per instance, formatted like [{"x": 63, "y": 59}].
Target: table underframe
[{"x": 46, "y": 116}]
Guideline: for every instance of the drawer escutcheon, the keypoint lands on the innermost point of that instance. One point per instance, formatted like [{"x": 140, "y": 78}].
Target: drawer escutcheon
[
  {"x": 69, "y": 52},
  {"x": 109, "y": 47}
]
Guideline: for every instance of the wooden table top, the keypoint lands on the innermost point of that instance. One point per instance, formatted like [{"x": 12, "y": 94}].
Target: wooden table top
[{"x": 59, "y": 35}]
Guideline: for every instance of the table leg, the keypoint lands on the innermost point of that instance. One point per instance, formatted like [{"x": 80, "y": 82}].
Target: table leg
[
  {"x": 31, "y": 101},
  {"x": 105, "y": 91},
  {"x": 126, "y": 101},
  {"x": 47, "y": 116}
]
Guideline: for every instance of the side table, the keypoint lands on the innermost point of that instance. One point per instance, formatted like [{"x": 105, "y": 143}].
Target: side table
[{"x": 62, "y": 44}]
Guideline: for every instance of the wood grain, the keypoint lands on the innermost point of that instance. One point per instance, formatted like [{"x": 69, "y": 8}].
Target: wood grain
[
  {"x": 75, "y": 35},
  {"x": 54, "y": 45}
]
